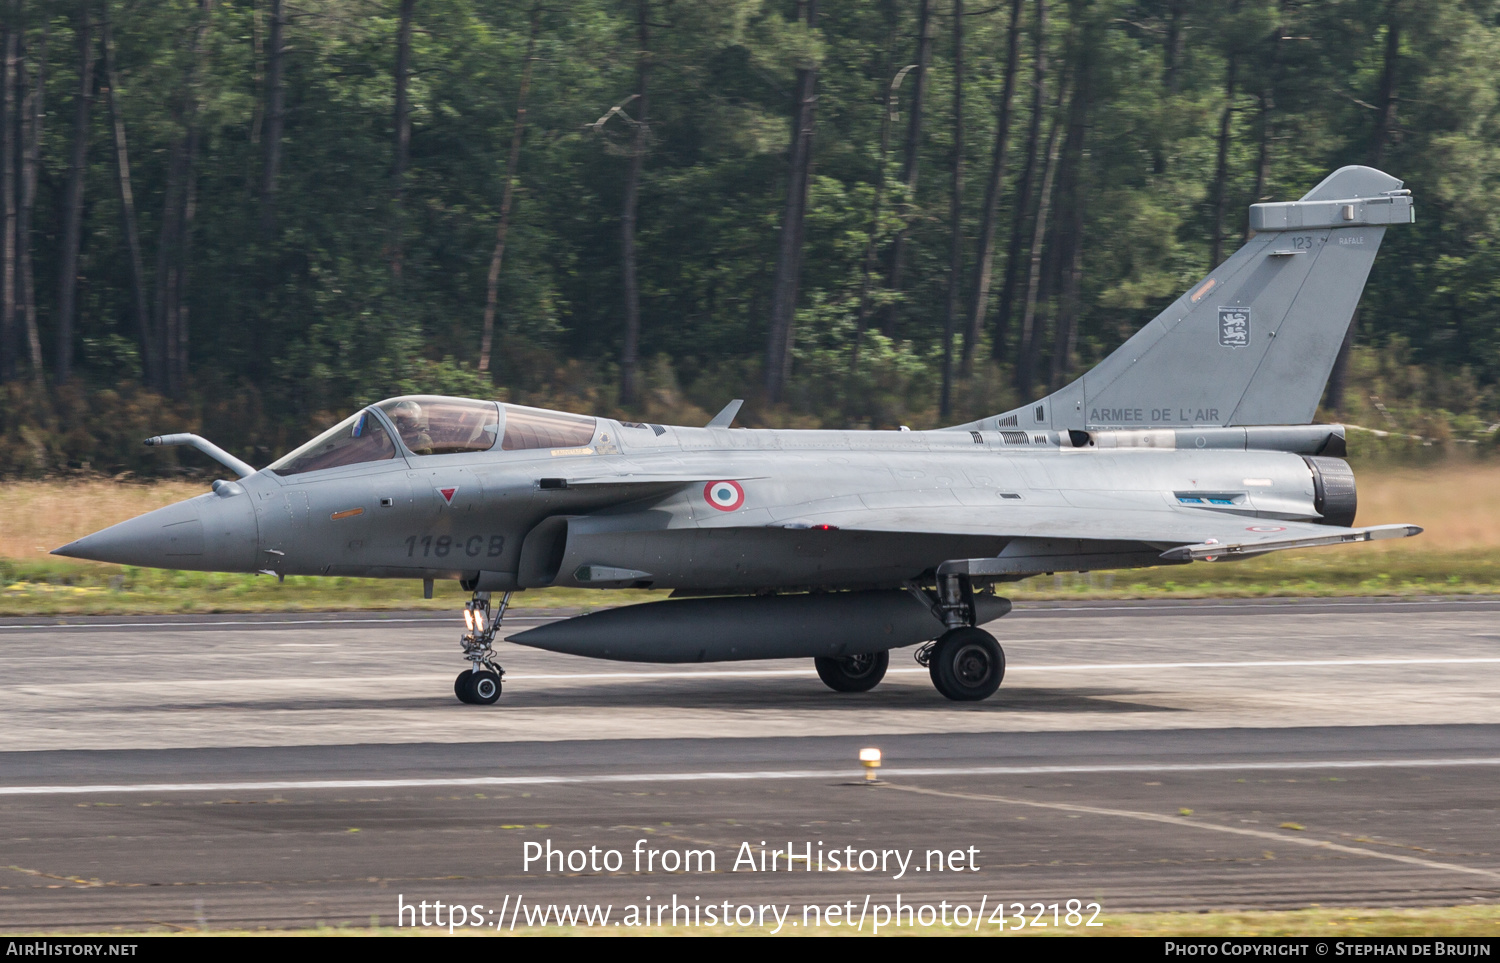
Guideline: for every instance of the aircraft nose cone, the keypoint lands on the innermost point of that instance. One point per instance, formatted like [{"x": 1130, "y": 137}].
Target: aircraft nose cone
[{"x": 207, "y": 533}]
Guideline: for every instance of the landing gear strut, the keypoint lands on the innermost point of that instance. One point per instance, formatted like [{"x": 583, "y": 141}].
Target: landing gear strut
[
  {"x": 966, "y": 663},
  {"x": 480, "y": 683}
]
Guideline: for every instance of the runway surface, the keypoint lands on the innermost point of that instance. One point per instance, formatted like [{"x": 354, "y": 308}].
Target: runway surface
[{"x": 243, "y": 771}]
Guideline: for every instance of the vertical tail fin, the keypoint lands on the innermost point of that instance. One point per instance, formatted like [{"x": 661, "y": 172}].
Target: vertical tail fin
[{"x": 1252, "y": 343}]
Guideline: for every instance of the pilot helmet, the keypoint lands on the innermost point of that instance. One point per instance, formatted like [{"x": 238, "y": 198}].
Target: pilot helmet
[{"x": 406, "y": 414}]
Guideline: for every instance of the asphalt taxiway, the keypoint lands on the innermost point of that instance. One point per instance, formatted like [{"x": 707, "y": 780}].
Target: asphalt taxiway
[{"x": 240, "y": 771}]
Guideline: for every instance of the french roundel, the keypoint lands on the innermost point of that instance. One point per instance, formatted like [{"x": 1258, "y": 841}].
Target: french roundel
[
  {"x": 1266, "y": 528},
  {"x": 726, "y": 496}
]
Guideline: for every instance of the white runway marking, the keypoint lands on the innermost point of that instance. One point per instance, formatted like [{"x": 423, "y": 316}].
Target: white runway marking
[
  {"x": 1247, "y": 665},
  {"x": 439, "y": 621},
  {"x": 335, "y": 623},
  {"x": 752, "y": 775},
  {"x": 1191, "y": 605},
  {"x": 1278, "y": 838},
  {"x": 798, "y": 673}
]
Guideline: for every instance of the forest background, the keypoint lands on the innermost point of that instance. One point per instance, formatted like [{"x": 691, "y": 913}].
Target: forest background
[{"x": 248, "y": 217}]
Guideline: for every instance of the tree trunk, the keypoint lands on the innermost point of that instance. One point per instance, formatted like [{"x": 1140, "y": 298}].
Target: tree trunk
[
  {"x": 1385, "y": 122},
  {"x": 151, "y": 369},
  {"x": 169, "y": 242},
  {"x": 1171, "y": 51},
  {"x": 8, "y": 340},
  {"x": 912, "y": 164},
  {"x": 33, "y": 113},
  {"x": 1029, "y": 348},
  {"x": 177, "y": 219},
  {"x": 402, "y": 150},
  {"x": 984, "y": 265},
  {"x": 789, "y": 246},
  {"x": 179, "y": 300},
  {"x": 275, "y": 117},
  {"x": 630, "y": 350},
  {"x": 73, "y": 205},
  {"x": 1065, "y": 336},
  {"x": 1068, "y": 259},
  {"x": 163, "y": 311},
  {"x": 1267, "y": 108},
  {"x": 955, "y": 217},
  {"x": 1221, "y": 167},
  {"x": 1171, "y": 73},
  {"x": 867, "y": 272},
  {"x": 512, "y": 162},
  {"x": 1024, "y": 189}
]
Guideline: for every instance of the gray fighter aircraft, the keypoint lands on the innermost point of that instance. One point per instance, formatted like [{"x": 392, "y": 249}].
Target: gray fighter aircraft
[{"x": 1191, "y": 442}]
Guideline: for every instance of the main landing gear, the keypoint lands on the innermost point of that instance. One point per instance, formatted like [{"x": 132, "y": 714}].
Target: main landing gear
[
  {"x": 480, "y": 683},
  {"x": 966, "y": 663},
  {"x": 853, "y": 673}
]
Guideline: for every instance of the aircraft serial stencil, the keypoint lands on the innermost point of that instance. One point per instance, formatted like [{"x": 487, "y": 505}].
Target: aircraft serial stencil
[{"x": 1191, "y": 442}]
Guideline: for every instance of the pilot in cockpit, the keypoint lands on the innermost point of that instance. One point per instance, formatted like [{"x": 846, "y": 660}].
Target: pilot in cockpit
[{"x": 410, "y": 422}]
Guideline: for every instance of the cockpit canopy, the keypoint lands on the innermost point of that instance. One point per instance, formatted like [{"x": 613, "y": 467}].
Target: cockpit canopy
[
  {"x": 435, "y": 425},
  {"x": 430, "y": 425},
  {"x": 539, "y": 428},
  {"x": 359, "y": 438}
]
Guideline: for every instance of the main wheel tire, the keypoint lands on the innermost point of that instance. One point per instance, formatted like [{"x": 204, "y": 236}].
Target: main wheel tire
[
  {"x": 967, "y": 665},
  {"x": 853, "y": 673},
  {"x": 485, "y": 689}
]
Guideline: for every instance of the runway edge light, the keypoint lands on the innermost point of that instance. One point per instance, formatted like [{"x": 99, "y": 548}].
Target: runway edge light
[{"x": 870, "y": 759}]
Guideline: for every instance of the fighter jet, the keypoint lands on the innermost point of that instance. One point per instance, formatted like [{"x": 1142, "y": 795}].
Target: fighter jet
[{"x": 1190, "y": 443}]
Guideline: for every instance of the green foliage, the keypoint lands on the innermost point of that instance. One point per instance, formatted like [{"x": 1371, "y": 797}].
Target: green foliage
[{"x": 299, "y": 317}]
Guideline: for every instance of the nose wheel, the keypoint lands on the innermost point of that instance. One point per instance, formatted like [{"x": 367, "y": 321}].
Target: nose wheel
[
  {"x": 479, "y": 685},
  {"x": 480, "y": 688}
]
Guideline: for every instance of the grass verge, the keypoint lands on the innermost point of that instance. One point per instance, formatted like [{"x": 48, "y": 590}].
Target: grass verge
[
  {"x": 1449, "y": 922},
  {"x": 60, "y": 588},
  {"x": 1459, "y": 554}
]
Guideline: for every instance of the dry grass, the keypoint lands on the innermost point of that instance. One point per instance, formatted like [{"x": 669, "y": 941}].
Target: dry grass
[
  {"x": 1467, "y": 923},
  {"x": 1471, "y": 922},
  {"x": 1458, "y": 505},
  {"x": 38, "y": 516}
]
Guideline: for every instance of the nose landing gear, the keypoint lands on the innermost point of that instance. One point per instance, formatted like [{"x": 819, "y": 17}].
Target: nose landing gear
[
  {"x": 479, "y": 688},
  {"x": 480, "y": 683}
]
